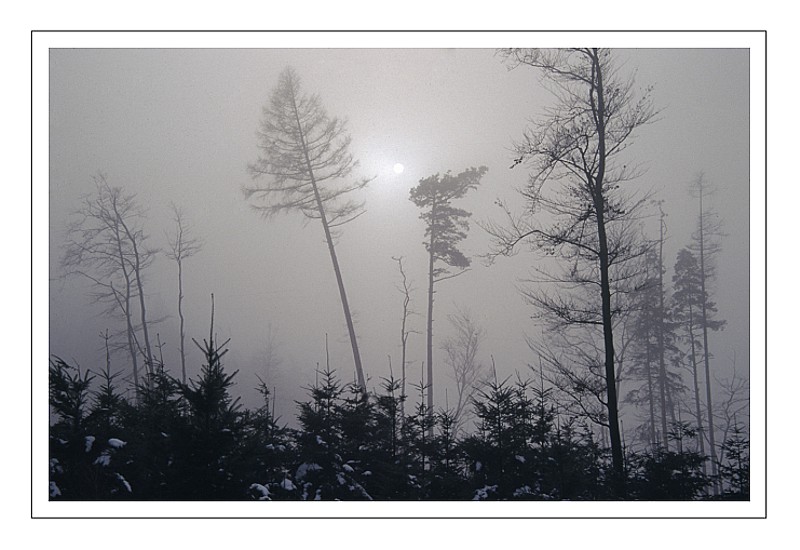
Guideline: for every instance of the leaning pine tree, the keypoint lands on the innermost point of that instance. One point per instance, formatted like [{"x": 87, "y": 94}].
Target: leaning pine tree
[
  {"x": 304, "y": 157},
  {"x": 445, "y": 227}
]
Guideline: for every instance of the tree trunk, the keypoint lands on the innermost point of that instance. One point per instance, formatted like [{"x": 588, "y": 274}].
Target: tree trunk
[
  {"x": 403, "y": 341},
  {"x": 143, "y": 312},
  {"x": 131, "y": 344},
  {"x": 329, "y": 239},
  {"x": 180, "y": 316},
  {"x": 662, "y": 370},
  {"x": 431, "y": 261},
  {"x": 140, "y": 287},
  {"x": 703, "y": 312},
  {"x": 605, "y": 284},
  {"x": 698, "y": 413},
  {"x": 129, "y": 323},
  {"x": 403, "y": 375},
  {"x": 342, "y": 294},
  {"x": 608, "y": 340},
  {"x": 650, "y": 397}
]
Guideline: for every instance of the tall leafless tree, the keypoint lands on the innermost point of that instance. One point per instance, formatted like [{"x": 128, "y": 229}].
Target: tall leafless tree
[
  {"x": 106, "y": 244},
  {"x": 578, "y": 204},
  {"x": 660, "y": 332},
  {"x": 182, "y": 245},
  {"x": 305, "y": 157},
  {"x": 733, "y": 407},
  {"x": 706, "y": 245},
  {"x": 406, "y": 289},
  {"x": 461, "y": 356}
]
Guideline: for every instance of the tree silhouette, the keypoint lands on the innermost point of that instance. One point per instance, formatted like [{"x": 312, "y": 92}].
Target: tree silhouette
[
  {"x": 445, "y": 227},
  {"x": 107, "y": 244},
  {"x": 467, "y": 371},
  {"x": 577, "y": 205},
  {"x": 705, "y": 245},
  {"x": 305, "y": 156},
  {"x": 182, "y": 245}
]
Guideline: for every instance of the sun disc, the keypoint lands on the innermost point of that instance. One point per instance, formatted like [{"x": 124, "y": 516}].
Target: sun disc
[{"x": 398, "y": 168}]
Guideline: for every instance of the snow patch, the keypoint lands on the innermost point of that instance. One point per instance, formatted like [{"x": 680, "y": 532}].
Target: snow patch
[
  {"x": 103, "y": 460},
  {"x": 89, "y": 439},
  {"x": 520, "y": 458},
  {"x": 288, "y": 485},
  {"x": 483, "y": 494},
  {"x": 116, "y": 443},
  {"x": 124, "y": 482},
  {"x": 304, "y": 468},
  {"x": 520, "y": 491},
  {"x": 257, "y": 487},
  {"x": 54, "y": 490},
  {"x": 347, "y": 468}
]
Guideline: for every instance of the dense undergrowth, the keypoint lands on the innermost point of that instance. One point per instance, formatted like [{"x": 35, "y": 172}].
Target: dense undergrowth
[{"x": 193, "y": 441}]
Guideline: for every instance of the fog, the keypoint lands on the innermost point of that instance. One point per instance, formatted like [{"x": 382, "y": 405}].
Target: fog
[{"x": 180, "y": 126}]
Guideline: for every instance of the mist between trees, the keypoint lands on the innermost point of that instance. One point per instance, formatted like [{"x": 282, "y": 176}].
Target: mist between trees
[{"x": 622, "y": 397}]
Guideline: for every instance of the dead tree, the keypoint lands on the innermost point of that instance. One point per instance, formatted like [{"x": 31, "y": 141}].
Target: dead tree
[
  {"x": 461, "y": 356},
  {"x": 706, "y": 245},
  {"x": 404, "y": 331},
  {"x": 182, "y": 245},
  {"x": 107, "y": 245}
]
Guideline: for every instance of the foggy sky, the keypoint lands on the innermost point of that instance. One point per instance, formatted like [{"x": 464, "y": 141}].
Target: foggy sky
[{"x": 179, "y": 125}]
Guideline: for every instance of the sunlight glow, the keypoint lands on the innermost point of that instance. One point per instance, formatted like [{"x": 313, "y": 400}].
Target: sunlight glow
[{"x": 398, "y": 168}]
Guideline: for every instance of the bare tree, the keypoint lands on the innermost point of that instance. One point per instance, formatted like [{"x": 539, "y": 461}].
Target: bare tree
[
  {"x": 461, "y": 356},
  {"x": 305, "y": 154},
  {"x": 182, "y": 245},
  {"x": 270, "y": 354},
  {"x": 106, "y": 244},
  {"x": 577, "y": 203},
  {"x": 404, "y": 331},
  {"x": 660, "y": 331},
  {"x": 734, "y": 405},
  {"x": 571, "y": 362},
  {"x": 706, "y": 245}
]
